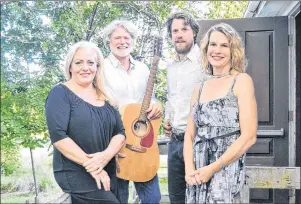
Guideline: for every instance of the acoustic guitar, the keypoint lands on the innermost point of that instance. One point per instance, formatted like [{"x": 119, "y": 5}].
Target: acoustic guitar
[{"x": 142, "y": 153}]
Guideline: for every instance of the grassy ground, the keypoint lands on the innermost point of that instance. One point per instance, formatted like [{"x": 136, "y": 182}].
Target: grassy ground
[
  {"x": 19, "y": 186},
  {"x": 16, "y": 197},
  {"x": 22, "y": 197}
]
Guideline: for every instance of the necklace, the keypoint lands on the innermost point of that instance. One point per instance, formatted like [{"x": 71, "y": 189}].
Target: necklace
[{"x": 220, "y": 75}]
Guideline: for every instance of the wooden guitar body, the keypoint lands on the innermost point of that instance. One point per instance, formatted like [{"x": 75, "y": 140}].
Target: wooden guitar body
[{"x": 142, "y": 153}]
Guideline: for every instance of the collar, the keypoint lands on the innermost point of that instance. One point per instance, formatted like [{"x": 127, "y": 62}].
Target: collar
[
  {"x": 116, "y": 63},
  {"x": 193, "y": 55}
]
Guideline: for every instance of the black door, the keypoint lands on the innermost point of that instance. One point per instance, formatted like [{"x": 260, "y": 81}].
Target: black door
[{"x": 266, "y": 43}]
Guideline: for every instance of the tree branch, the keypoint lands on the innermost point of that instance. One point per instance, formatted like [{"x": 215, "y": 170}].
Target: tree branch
[
  {"x": 150, "y": 15},
  {"x": 15, "y": 38},
  {"x": 141, "y": 47},
  {"x": 90, "y": 31}
]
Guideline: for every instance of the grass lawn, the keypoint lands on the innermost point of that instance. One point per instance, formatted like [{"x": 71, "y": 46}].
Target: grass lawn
[{"x": 17, "y": 197}]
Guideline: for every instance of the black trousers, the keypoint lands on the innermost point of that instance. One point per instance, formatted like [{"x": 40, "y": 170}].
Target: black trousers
[
  {"x": 176, "y": 171},
  {"x": 94, "y": 197}
]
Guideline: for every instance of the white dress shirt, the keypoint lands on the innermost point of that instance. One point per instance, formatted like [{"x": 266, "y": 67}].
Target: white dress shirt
[
  {"x": 182, "y": 77},
  {"x": 123, "y": 86}
]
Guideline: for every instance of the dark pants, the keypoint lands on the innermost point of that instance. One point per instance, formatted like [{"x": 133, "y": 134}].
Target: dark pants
[
  {"x": 94, "y": 197},
  {"x": 176, "y": 172},
  {"x": 148, "y": 192}
]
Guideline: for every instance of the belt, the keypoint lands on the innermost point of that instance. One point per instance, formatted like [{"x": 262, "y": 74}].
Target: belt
[
  {"x": 177, "y": 136},
  {"x": 211, "y": 146}
]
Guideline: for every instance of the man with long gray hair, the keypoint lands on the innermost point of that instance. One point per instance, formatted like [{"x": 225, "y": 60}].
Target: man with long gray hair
[
  {"x": 125, "y": 81},
  {"x": 183, "y": 74}
]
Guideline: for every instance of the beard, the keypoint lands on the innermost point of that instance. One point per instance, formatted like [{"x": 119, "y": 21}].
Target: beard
[
  {"x": 123, "y": 52},
  {"x": 183, "y": 50}
]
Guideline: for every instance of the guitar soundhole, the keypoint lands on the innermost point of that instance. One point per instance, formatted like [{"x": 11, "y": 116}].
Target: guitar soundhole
[{"x": 140, "y": 128}]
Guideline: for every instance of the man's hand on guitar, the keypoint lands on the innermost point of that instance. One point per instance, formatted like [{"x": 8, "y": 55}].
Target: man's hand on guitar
[
  {"x": 117, "y": 157},
  {"x": 154, "y": 111},
  {"x": 167, "y": 127}
]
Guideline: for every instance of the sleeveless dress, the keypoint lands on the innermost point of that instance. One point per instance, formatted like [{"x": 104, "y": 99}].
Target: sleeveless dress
[{"x": 217, "y": 127}]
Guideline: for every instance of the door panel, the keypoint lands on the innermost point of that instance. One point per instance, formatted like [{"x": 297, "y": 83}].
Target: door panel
[
  {"x": 266, "y": 44},
  {"x": 262, "y": 147},
  {"x": 259, "y": 44}
]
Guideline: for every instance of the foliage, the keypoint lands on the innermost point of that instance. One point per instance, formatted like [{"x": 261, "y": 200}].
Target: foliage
[
  {"x": 10, "y": 161},
  {"x": 160, "y": 89},
  {"x": 226, "y": 9},
  {"x": 35, "y": 35},
  {"x": 22, "y": 179},
  {"x": 26, "y": 40},
  {"x": 22, "y": 113},
  {"x": 23, "y": 92}
]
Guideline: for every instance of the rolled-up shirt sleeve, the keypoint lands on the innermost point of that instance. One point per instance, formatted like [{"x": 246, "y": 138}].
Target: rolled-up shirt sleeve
[{"x": 57, "y": 108}]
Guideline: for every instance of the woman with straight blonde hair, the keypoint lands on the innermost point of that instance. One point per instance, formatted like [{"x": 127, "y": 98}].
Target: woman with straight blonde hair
[
  {"x": 97, "y": 81},
  {"x": 85, "y": 129},
  {"x": 223, "y": 121}
]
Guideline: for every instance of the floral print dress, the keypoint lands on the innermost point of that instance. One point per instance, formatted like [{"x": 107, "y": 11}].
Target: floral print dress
[{"x": 217, "y": 124}]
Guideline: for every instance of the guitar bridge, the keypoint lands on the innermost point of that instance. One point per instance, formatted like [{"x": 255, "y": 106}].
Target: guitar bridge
[{"x": 136, "y": 148}]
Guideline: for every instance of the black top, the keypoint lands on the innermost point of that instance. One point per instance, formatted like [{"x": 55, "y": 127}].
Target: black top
[{"x": 90, "y": 127}]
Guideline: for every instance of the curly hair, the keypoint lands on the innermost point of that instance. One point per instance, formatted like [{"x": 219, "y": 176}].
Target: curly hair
[
  {"x": 188, "y": 20},
  {"x": 238, "y": 59}
]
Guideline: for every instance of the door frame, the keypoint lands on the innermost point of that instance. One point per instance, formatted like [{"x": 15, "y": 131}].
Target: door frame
[
  {"x": 292, "y": 83},
  {"x": 298, "y": 96},
  {"x": 290, "y": 9}
]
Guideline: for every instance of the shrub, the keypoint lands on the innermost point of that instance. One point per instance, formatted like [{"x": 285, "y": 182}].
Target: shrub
[{"x": 10, "y": 160}]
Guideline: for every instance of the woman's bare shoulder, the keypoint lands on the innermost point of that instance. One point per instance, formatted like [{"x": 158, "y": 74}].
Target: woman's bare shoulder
[{"x": 244, "y": 84}]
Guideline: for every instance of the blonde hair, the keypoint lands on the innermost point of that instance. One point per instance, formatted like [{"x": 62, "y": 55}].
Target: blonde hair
[
  {"x": 98, "y": 79},
  {"x": 238, "y": 59}
]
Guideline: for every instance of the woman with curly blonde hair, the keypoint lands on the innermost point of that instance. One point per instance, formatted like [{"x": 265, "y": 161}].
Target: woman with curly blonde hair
[
  {"x": 238, "y": 60},
  {"x": 223, "y": 121}
]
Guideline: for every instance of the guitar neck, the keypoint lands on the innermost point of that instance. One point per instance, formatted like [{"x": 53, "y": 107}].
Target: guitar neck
[{"x": 149, "y": 88}]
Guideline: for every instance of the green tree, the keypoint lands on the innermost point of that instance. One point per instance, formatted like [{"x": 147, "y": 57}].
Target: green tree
[
  {"x": 40, "y": 32},
  {"x": 226, "y": 9},
  {"x": 23, "y": 92},
  {"x": 27, "y": 40}
]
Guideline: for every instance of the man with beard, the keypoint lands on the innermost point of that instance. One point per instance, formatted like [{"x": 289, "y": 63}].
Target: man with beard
[
  {"x": 125, "y": 81},
  {"x": 183, "y": 74}
]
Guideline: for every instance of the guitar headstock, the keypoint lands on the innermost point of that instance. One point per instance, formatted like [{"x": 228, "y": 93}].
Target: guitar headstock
[{"x": 158, "y": 42}]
